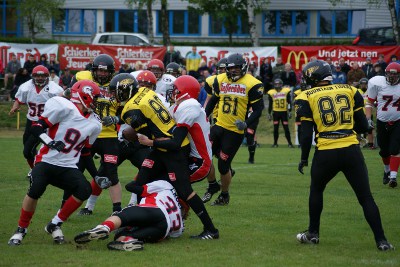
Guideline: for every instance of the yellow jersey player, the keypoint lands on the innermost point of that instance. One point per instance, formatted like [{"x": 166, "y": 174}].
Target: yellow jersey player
[
  {"x": 336, "y": 112},
  {"x": 235, "y": 92},
  {"x": 106, "y": 145},
  {"x": 146, "y": 114},
  {"x": 280, "y": 104}
]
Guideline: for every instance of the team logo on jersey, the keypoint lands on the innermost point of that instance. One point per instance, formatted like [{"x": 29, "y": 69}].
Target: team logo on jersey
[
  {"x": 110, "y": 158},
  {"x": 148, "y": 163},
  {"x": 193, "y": 166},
  {"x": 172, "y": 176},
  {"x": 233, "y": 89}
]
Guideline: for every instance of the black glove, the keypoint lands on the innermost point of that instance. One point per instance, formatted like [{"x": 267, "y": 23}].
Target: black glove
[
  {"x": 110, "y": 120},
  {"x": 302, "y": 164},
  {"x": 57, "y": 145},
  {"x": 240, "y": 125},
  {"x": 102, "y": 182},
  {"x": 370, "y": 124}
]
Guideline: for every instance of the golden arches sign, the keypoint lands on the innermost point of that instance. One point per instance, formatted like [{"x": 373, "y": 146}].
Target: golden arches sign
[{"x": 297, "y": 58}]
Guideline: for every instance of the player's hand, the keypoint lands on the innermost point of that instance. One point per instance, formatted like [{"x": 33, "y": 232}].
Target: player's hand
[
  {"x": 144, "y": 140},
  {"x": 289, "y": 115},
  {"x": 269, "y": 116},
  {"x": 57, "y": 145},
  {"x": 110, "y": 120},
  {"x": 302, "y": 164},
  {"x": 13, "y": 110},
  {"x": 102, "y": 182},
  {"x": 240, "y": 125},
  {"x": 370, "y": 124}
]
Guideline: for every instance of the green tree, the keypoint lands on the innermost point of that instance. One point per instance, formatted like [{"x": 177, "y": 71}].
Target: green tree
[
  {"x": 377, "y": 3},
  {"x": 38, "y": 12}
]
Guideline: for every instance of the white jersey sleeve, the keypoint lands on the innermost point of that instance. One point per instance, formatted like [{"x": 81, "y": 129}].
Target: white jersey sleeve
[
  {"x": 22, "y": 94},
  {"x": 373, "y": 86},
  {"x": 187, "y": 113}
]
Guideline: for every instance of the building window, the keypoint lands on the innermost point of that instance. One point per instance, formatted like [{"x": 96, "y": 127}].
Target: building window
[
  {"x": 217, "y": 26},
  {"x": 75, "y": 21},
  {"x": 286, "y": 23},
  {"x": 10, "y": 25},
  {"x": 181, "y": 22},
  {"x": 340, "y": 22},
  {"x": 125, "y": 21}
]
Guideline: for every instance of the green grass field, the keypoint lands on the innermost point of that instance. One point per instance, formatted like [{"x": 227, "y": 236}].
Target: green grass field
[{"x": 269, "y": 206}]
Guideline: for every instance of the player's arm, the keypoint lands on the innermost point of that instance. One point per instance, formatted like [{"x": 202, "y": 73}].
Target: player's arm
[
  {"x": 170, "y": 144},
  {"x": 304, "y": 112},
  {"x": 289, "y": 101},
  {"x": 270, "y": 104},
  {"x": 361, "y": 123},
  {"x": 38, "y": 129},
  {"x": 135, "y": 118},
  {"x": 256, "y": 103},
  {"x": 214, "y": 98}
]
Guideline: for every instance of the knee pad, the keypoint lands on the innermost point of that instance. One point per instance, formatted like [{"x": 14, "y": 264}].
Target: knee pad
[{"x": 83, "y": 190}]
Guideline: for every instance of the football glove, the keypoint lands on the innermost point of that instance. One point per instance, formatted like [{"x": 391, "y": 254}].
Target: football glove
[
  {"x": 240, "y": 125},
  {"x": 269, "y": 116},
  {"x": 370, "y": 124},
  {"x": 57, "y": 145},
  {"x": 303, "y": 163},
  {"x": 102, "y": 182},
  {"x": 289, "y": 115},
  {"x": 110, "y": 120}
]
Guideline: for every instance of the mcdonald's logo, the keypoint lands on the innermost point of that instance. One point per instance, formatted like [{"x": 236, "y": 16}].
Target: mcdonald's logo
[{"x": 297, "y": 58}]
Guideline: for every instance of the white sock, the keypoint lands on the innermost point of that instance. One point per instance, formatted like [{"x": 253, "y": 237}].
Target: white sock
[
  {"x": 133, "y": 200},
  {"x": 91, "y": 202},
  {"x": 393, "y": 174},
  {"x": 56, "y": 219}
]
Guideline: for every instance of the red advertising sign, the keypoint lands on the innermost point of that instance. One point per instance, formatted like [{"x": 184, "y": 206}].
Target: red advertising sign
[
  {"x": 299, "y": 55},
  {"x": 75, "y": 57}
]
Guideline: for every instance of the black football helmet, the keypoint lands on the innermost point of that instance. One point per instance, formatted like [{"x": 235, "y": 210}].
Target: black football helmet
[
  {"x": 221, "y": 65},
  {"x": 174, "y": 69},
  {"x": 103, "y": 62},
  {"x": 123, "y": 86},
  {"x": 316, "y": 71},
  {"x": 278, "y": 84},
  {"x": 236, "y": 67}
]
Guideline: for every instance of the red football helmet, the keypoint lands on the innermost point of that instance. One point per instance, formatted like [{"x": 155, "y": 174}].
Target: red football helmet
[
  {"x": 85, "y": 92},
  {"x": 147, "y": 79},
  {"x": 186, "y": 86},
  {"x": 392, "y": 73},
  {"x": 40, "y": 75},
  {"x": 156, "y": 66}
]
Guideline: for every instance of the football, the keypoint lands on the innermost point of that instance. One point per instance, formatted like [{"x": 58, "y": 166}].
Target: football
[{"x": 129, "y": 134}]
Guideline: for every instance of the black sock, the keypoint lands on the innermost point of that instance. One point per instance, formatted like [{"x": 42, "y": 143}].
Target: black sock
[
  {"x": 198, "y": 207},
  {"x": 225, "y": 194},
  {"x": 117, "y": 206}
]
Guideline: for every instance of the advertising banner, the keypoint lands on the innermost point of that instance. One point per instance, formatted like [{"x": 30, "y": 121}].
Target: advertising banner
[
  {"x": 299, "y": 55},
  {"x": 22, "y": 51},
  {"x": 76, "y": 56}
]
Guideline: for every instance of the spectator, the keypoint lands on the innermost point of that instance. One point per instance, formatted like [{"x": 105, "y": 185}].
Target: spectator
[
  {"x": 278, "y": 69},
  {"x": 203, "y": 94},
  {"x": 54, "y": 64},
  {"x": 329, "y": 61},
  {"x": 288, "y": 76},
  {"x": 30, "y": 64},
  {"x": 368, "y": 68},
  {"x": 43, "y": 61},
  {"x": 139, "y": 65},
  {"x": 53, "y": 76},
  {"x": 203, "y": 67},
  {"x": 252, "y": 69},
  {"x": 355, "y": 74},
  {"x": 11, "y": 70},
  {"x": 213, "y": 67},
  {"x": 125, "y": 68},
  {"x": 393, "y": 58},
  {"x": 172, "y": 56},
  {"x": 266, "y": 74},
  {"x": 193, "y": 60},
  {"x": 65, "y": 79},
  {"x": 378, "y": 71},
  {"x": 338, "y": 76},
  {"x": 21, "y": 77},
  {"x": 382, "y": 62},
  {"x": 344, "y": 66},
  {"x": 90, "y": 64}
]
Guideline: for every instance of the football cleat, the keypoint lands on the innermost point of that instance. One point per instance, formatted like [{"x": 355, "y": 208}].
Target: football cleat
[
  {"x": 29, "y": 175},
  {"x": 85, "y": 211},
  {"x": 384, "y": 245},
  {"x": 206, "y": 234},
  {"x": 274, "y": 145},
  {"x": 17, "y": 237},
  {"x": 99, "y": 232},
  {"x": 290, "y": 146},
  {"x": 128, "y": 244},
  {"x": 56, "y": 233},
  {"x": 308, "y": 238},
  {"x": 221, "y": 201},
  {"x": 392, "y": 182},
  {"x": 211, "y": 190},
  {"x": 385, "y": 179}
]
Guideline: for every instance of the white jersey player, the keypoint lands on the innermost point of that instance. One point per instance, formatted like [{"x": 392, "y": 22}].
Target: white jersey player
[
  {"x": 34, "y": 93},
  {"x": 386, "y": 91},
  {"x": 67, "y": 121},
  {"x": 157, "y": 216}
]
